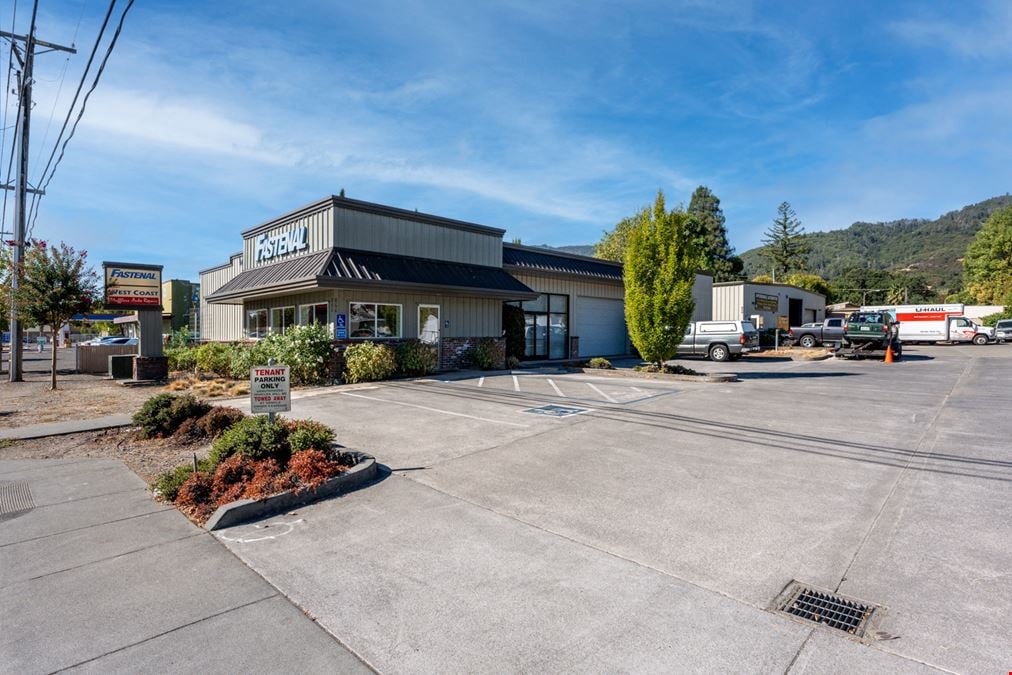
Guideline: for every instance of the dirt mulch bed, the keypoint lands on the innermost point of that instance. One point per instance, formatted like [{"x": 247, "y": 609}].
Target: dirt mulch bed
[
  {"x": 146, "y": 458},
  {"x": 78, "y": 397}
]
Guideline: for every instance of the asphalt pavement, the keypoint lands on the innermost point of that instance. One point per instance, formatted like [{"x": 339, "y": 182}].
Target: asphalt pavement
[{"x": 652, "y": 530}]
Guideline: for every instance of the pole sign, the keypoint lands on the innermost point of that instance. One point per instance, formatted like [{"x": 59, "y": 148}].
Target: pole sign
[
  {"x": 132, "y": 286},
  {"x": 783, "y": 322},
  {"x": 270, "y": 389},
  {"x": 340, "y": 326}
]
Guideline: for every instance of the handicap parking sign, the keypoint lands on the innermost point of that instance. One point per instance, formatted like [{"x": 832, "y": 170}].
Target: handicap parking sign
[{"x": 340, "y": 326}]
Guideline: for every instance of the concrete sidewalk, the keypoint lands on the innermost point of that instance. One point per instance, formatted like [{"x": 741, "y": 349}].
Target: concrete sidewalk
[
  {"x": 95, "y": 576},
  {"x": 63, "y": 428}
]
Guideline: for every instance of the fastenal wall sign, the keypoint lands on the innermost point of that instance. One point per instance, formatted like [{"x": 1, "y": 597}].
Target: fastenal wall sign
[
  {"x": 270, "y": 389},
  {"x": 132, "y": 286},
  {"x": 287, "y": 242}
]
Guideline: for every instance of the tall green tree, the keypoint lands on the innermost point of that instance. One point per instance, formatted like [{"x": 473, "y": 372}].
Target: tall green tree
[
  {"x": 784, "y": 246},
  {"x": 987, "y": 265},
  {"x": 613, "y": 242},
  {"x": 706, "y": 227},
  {"x": 810, "y": 282},
  {"x": 660, "y": 269},
  {"x": 56, "y": 284}
]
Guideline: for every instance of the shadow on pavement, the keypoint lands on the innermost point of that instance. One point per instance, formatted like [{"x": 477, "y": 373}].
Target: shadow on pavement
[{"x": 790, "y": 375}]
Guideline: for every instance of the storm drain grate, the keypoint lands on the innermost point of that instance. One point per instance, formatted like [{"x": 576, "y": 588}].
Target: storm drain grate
[
  {"x": 15, "y": 499},
  {"x": 556, "y": 410},
  {"x": 818, "y": 606}
]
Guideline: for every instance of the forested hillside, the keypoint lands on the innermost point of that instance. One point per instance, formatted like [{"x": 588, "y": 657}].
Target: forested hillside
[{"x": 931, "y": 250}]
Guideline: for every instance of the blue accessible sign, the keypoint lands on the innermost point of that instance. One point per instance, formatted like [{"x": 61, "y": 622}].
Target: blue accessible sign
[{"x": 340, "y": 327}]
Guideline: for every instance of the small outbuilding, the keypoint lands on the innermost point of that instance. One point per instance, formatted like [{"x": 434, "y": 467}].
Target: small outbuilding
[{"x": 740, "y": 300}]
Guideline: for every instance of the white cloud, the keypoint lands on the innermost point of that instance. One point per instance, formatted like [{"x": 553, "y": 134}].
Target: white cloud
[{"x": 989, "y": 36}]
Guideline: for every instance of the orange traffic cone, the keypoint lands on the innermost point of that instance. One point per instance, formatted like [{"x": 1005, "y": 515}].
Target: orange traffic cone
[{"x": 889, "y": 354}]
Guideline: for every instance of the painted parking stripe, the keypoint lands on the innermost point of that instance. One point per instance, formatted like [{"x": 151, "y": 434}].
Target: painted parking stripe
[
  {"x": 435, "y": 410},
  {"x": 606, "y": 397},
  {"x": 557, "y": 390},
  {"x": 516, "y": 383},
  {"x": 481, "y": 381}
]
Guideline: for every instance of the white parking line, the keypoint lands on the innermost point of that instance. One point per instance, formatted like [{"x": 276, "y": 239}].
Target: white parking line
[
  {"x": 557, "y": 390},
  {"x": 435, "y": 410},
  {"x": 637, "y": 390},
  {"x": 606, "y": 397},
  {"x": 481, "y": 381},
  {"x": 516, "y": 383}
]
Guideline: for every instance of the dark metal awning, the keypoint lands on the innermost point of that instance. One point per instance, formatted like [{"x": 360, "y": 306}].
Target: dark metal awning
[
  {"x": 546, "y": 260},
  {"x": 346, "y": 268}
]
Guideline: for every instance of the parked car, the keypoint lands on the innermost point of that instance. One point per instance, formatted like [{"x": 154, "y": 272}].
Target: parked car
[
  {"x": 719, "y": 340},
  {"x": 110, "y": 340},
  {"x": 1003, "y": 330},
  {"x": 871, "y": 331},
  {"x": 814, "y": 334}
]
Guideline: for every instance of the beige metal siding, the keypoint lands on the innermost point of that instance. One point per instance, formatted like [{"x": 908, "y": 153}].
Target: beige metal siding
[
  {"x": 385, "y": 234},
  {"x": 320, "y": 225},
  {"x": 728, "y": 303},
  {"x": 467, "y": 316},
  {"x": 218, "y": 322},
  {"x": 94, "y": 359}
]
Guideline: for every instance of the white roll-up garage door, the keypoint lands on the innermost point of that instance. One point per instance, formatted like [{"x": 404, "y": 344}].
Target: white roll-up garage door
[{"x": 600, "y": 325}]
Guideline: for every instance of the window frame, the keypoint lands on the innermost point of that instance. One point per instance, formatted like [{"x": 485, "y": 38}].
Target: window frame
[
  {"x": 262, "y": 330},
  {"x": 282, "y": 309},
  {"x": 298, "y": 313},
  {"x": 374, "y": 336}
]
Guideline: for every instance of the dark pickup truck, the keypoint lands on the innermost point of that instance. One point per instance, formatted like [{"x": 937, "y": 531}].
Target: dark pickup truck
[
  {"x": 870, "y": 331},
  {"x": 814, "y": 334}
]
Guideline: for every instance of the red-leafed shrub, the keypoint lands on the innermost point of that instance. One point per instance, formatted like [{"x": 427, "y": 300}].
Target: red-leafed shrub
[
  {"x": 218, "y": 419},
  {"x": 230, "y": 479},
  {"x": 194, "y": 496},
  {"x": 312, "y": 467},
  {"x": 189, "y": 431}
]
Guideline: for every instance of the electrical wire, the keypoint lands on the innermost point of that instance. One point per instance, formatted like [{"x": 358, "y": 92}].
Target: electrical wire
[{"x": 36, "y": 198}]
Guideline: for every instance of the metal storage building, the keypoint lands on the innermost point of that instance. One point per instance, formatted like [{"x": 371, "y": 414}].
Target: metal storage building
[{"x": 739, "y": 300}]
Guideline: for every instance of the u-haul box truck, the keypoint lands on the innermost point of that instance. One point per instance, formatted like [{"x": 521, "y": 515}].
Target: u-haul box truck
[{"x": 935, "y": 323}]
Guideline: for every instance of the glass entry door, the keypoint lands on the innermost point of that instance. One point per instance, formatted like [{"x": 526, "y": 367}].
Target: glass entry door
[{"x": 536, "y": 331}]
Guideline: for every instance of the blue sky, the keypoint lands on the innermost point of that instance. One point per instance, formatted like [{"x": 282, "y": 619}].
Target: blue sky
[{"x": 551, "y": 120}]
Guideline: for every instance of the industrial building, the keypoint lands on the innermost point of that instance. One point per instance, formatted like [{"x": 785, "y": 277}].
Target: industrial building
[
  {"x": 742, "y": 300},
  {"x": 374, "y": 272}
]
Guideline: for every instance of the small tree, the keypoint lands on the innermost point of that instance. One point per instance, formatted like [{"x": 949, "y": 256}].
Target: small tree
[
  {"x": 660, "y": 270},
  {"x": 987, "y": 266},
  {"x": 56, "y": 284},
  {"x": 810, "y": 282},
  {"x": 614, "y": 242},
  {"x": 783, "y": 242}
]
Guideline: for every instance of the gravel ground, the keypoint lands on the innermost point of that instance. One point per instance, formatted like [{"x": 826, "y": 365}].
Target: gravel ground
[{"x": 145, "y": 458}]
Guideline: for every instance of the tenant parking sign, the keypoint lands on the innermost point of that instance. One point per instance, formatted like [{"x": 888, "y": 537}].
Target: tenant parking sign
[{"x": 269, "y": 389}]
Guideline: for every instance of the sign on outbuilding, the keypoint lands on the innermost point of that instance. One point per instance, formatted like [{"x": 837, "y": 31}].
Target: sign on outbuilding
[{"x": 270, "y": 389}]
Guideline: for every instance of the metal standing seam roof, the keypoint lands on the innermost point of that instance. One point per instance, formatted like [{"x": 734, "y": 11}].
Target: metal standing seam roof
[
  {"x": 547, "y": 261},
  {"x": 332, "y": 267}
]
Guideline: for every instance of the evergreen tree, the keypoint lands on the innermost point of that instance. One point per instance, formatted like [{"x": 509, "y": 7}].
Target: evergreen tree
[
  {"x": 784, "y": 246},
  {"x": 613, "y": 243},
  {"x": 707, "y": 230},
  {"x": 660, "y": 270}
]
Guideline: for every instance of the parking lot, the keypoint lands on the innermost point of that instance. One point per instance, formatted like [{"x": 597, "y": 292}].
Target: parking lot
[{"x": 652, "y": 528}]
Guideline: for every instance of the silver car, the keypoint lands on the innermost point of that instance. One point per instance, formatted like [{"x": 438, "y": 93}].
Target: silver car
[{"x": 1003, "y": 330}]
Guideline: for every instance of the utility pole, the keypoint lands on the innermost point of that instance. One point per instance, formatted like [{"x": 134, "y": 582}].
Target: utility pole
[{"x": 21, "y": 188}]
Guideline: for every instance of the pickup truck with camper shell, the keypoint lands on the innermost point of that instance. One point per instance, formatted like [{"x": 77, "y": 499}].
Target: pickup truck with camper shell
[
  {"x": 814, "y": 334},
  {"x": 719, "y": 340}
]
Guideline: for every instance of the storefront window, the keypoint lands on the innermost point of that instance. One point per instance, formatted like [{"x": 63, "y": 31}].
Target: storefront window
[
  {"x": 428, "y": 324},
  {"x": 310, "y": 314},
  {"x": 374, "y": 320},
  {"x": 256, "y": 323},
  {"x": 546, "y": 324},
  {"x": 282, "y": 318}
]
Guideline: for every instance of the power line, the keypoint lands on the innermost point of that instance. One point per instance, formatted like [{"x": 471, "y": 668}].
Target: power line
[{"x": 80, "y": 85}]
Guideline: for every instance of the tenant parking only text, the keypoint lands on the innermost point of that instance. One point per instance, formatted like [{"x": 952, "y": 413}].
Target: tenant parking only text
[{"x": 270, "y": 389}]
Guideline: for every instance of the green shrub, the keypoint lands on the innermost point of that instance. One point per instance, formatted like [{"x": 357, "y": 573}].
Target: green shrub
[
  {"x": 253, "y": 437},
  {"x": 219, "y": 419},
  {"x": 417, "y": 358},
  {"x": 369, "y": 362},
  {"x": 181, "y": 337},
  {"x": 309, "y": 435},
  {"x": 214, "y": 358},
  {"x": 167, "y": 484},
  {"x": 598, "y": 362},
  {"x": 306, "y": 350},
  {"x": 246, "y": 355},
  {"x": 485, "y": 354},
  {"x": 181, "y": 358},
  {"x": 162, "y": 414},
  {"x": 512, "y": 362}
]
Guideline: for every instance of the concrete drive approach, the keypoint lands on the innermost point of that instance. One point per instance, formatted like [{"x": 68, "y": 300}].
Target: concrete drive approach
[
  {"x": 95, "y": 576},
  {"x": 652, "y": 534}
]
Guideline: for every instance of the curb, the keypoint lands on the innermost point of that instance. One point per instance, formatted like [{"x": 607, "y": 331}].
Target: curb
[
  {"x": 49, "y": 429},
  {"x": 243, "y": 510},
  {"x": 702, "y": 377}
]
